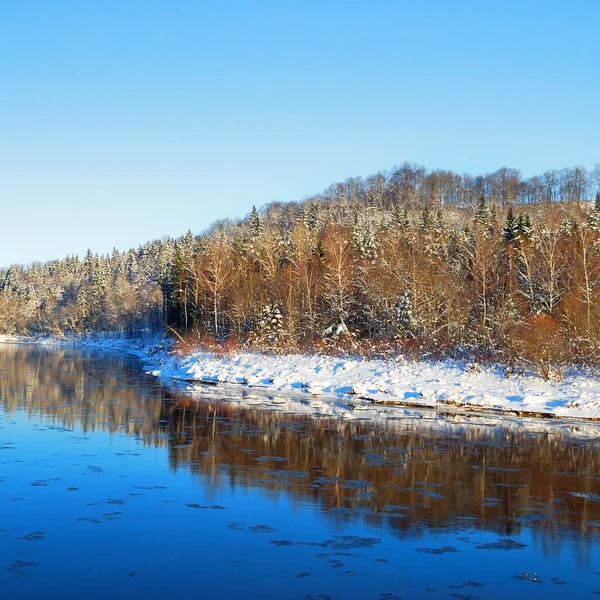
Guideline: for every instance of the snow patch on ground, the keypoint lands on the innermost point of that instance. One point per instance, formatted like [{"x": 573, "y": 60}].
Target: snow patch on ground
[{"x": 425, "y": 384}]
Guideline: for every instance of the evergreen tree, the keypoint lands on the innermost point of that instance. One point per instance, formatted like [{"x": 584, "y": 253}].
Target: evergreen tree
[
  {"x": 364, "y": 239},
  {"x": 181, "y": 280},
  {"x": 399, "y": 218},
  {"x": 320, "y": 253},
  {"x": 524, "y": 227},
  {"x": 254, "y": 224},
  {"x": 268, "y": 326},
  {"x": 311, "y": 216},
  {"x": 482, "y": 212},
  {"x": 594, "y": 218},
  {"x": 440, "y": 223},
  {"x": 567, "y": 227},
  {"x": 405, "y": 317},
  {"x": 510, "y": 231},
  {"x": 426, "y": 221},
  {"x": 285, "y": 246}
]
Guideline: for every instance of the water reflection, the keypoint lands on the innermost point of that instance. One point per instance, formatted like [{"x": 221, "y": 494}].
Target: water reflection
[{"x": 415, "y": 472}]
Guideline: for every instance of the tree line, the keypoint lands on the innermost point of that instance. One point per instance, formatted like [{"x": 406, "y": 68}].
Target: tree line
[{"x": 404, "y": 261}]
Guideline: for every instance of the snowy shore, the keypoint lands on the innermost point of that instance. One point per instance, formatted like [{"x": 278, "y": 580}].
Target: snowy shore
[
  {"x": 422, "y": 384},
  {"x": 448, "y": 385}
]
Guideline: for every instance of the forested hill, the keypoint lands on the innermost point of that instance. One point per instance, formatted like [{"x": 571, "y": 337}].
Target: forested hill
[{"x": 410, "y": 259}]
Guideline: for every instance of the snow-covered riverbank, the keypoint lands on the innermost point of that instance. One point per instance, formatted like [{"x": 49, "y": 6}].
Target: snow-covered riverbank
[{"x": 447, "y": 384}]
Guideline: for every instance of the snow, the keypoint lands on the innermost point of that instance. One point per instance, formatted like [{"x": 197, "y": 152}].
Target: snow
[
  {"x": 360, "y": 384},
  {"x": 423, "y": 384}
]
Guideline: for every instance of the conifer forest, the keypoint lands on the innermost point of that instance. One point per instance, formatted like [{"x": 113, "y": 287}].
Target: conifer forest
[{"x": 427, "y": 263}]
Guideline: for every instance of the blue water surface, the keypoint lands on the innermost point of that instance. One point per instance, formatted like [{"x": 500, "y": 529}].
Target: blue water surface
[{"x": 114, "y": 486}]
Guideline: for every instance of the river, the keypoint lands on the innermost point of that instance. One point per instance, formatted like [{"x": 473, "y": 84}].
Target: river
[{"x": 113, "y": 484}]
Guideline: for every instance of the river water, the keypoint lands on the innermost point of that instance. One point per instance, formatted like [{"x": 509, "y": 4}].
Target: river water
[{"x": 113, "y": 485}]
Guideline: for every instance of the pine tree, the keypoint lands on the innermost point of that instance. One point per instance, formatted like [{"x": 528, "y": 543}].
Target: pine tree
[
  {"x": 567, "y": 227},
  {"x": 400, "y": 219},
  {"x": 510, "y": 231},
  {"x": 285, "y": 246},
  {"x": 426, "y": 221},
  {"x": 440, "y": 223},
  {"x": 524, "y": 227},
  {"x": 255, "y": 224},
  {"x": 269, "y": 324},
  {"x": 364, "y": 239},
  {"x": 594, "y": 218},
  {"x": 482, "y": 212},
  {"x": 405, "y": 317},
  {"x": 311, "y": 216},
  {"x": 319, "y": 252},
  {"x": 181, "y": 272}
]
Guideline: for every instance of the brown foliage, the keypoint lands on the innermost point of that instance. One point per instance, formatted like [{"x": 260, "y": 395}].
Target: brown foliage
[
  {"x": 366, "y": 267},
  {"x": 196, "y": 341},
  {"x": 540, "y": 340}
]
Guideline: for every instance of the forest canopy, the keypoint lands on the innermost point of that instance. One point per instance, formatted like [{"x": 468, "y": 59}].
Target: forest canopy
[{"x": 409, "y": 260}]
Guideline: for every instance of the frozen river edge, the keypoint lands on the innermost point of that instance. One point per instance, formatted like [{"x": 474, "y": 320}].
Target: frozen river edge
[{"x": 447, "y": 385}]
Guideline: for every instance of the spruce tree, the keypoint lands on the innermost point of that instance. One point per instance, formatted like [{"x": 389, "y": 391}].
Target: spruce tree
[
  {"x": 400, "y": 218},
  {"x": 364, "y": 238},
  {"x": 510, "y": 231},
  {"x": 567, "y": 227},
  {"x": 524, "y": 227},
  {"x": 440, "y": 224},
  {"x": 319, "y": 252},
  {"x": 594, "y": 218},
  {"x": 254, "y": 224},
  {"x": 269, "y": 324},
  {"x": 285, "y": 246},
  {"x": 405, "y": 317},
  {"x": 426, "y": 222},
  {"x": 482, "y": 212},
  {"x": 311, "y": 216}
]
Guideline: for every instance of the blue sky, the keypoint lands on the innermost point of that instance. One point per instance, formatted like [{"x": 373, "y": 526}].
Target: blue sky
[{"x": 123, "y": 121}]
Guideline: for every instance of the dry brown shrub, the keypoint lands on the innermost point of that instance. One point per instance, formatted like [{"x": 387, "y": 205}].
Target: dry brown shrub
[
  {"x": 195, "y": 341},
  {"x": 540, "y": 340}
]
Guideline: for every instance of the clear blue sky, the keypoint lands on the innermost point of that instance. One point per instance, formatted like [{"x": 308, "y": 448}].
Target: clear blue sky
[{"x": 123, "y": 121}]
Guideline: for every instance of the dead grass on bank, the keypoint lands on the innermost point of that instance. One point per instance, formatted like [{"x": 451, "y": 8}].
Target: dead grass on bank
[{"x": 537, "y": 344}]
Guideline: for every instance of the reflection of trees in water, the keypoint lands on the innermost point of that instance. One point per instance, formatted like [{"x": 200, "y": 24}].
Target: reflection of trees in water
[
  {"x": 489, "y": 477},
  {"x": 97, "y": 391}
]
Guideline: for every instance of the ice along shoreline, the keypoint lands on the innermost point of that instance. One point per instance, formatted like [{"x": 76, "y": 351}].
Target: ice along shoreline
[{"x": 447, "y": 385}]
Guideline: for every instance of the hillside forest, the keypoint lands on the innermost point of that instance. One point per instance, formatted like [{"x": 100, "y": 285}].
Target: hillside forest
[{"x": 411, "y": 261}]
